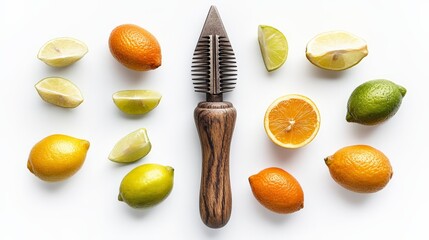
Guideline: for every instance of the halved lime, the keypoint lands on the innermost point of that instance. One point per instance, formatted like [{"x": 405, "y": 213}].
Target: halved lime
[
  {"x": 59, "y": 91},
  {"x": 274, "y": 47},
  {"x": 136, "y": 101},
  {"x": 61, "y": 52},
  {"x": 336, "y": 50},
  {"x": 132, "y": 147}
]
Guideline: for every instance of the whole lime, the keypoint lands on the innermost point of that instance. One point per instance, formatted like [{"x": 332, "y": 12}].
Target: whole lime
[
  {"x": 146, "y": 185},
  {"x": 374, "y": 102}
]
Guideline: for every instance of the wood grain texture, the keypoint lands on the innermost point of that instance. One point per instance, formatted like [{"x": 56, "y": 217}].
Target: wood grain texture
[{"x": 215, "y": 122}]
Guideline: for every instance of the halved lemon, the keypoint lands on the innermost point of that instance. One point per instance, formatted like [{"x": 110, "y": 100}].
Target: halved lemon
[
  {"x": 132, "y": 147},
  {"x": 274, "y": 47},
  {"x": 292, "y": 121},
  {"x": 336, "y": 50},
  {"x": 136, "y": 101},
  {"x": 61, "y": 52},
  {"x": 59, "y": 91}
]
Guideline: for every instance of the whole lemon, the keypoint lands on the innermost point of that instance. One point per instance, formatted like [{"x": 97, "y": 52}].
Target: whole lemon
[
  {"x": 360, "y": 168},
  {"x": 277, "y": 190},
  {"x": 57, "y": 157},
  {"x": 146, "y": 185},
  {"x": 374, "y": 102},
  {"x": 135, "y": 47}
]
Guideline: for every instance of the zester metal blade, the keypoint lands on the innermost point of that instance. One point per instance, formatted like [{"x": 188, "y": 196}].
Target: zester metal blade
[{"x": 214, "y": 67}]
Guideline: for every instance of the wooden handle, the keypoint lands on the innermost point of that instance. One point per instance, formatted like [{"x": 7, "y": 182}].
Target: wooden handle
[{"x": 215, "y": 123}]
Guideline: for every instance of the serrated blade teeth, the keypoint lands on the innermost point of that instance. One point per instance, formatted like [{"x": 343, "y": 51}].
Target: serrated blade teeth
[{"x": 214, "y": 68}]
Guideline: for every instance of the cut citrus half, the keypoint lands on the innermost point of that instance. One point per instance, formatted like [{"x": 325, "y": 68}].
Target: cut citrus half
[
  {"x": 59, "y": 91},
  {"x": 132, "y": 147},
  {"x": 61, "y": 52},
  {"x": 274, "y": 47},
  {"x": 136, "y": 101},
  {"x": 336, "y": 50},
  {"x": 292, "y": 121}
]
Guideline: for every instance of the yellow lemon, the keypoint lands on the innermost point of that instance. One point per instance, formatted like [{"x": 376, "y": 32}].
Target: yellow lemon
[{"x": 57, "y": 157}]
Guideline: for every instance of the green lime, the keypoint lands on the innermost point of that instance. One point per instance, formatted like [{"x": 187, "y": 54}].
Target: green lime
[
  {"x": 274, "y": 47},
  {"x": 374, "y": 102},
  {"x": 146, "y": 185},
  {"x": 132, "y": 147},
  {"x": 136, "y": 101}
]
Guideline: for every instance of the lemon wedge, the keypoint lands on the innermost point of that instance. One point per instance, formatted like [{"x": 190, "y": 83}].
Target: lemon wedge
[
  {"x": 61, "y": 52},
  {"x": 59, "y": 91},
  {"x": 274, "y": 47},
  {"x": 336, "y": 50},
  {"x": 131, "y": 148},
  {"x": 136, "y": 101}
]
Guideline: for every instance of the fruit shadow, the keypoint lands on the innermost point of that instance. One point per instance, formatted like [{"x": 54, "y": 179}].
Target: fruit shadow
[
  {"x": 138, "y": 213},
  {"x": 268, "y": 215},
  {"x": 326, "y": 74},
  {"x": 53, "y": 187},
  {"x": 130, "y": 116},
  {"x": 282, "y": 155},
  {"x": 131, "y": 77},
  {"x": 353, "y": 198},
  {"x": 61, "y": 71},
  {"x": 363, "y": 131}
]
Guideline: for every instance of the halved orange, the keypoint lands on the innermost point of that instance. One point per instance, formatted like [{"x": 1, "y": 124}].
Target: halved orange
[{"x": 292, "y": 121}]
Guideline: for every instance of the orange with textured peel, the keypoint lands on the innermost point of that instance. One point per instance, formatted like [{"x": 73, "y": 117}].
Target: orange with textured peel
[
  {"x": 277, "y": 190},
  {"x": 135, "y": 47},
  {"x": 360, "y": 168}
]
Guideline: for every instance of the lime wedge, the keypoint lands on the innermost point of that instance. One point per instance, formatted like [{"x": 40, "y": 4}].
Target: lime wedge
[
  {"x": 59, "y": 91},
  {"x": 136, "y": 101},
  {"x": 274, "y": 47},
  {"x": 131, "y": 148},
  {"x": 61, "y": 52},
  {"x": 336, "y": 50}
]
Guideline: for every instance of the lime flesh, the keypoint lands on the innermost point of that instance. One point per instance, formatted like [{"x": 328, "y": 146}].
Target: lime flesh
[
  {"x": 146, "y": 185},
  {"x": 274, "y": 47},
  {"x": 374, "y": 102},
  {"x": 61, "y": 52},
  {"x": 59, "y": 91},
  {"x": 132, "y": 147},
  {"x": 136, "y": 102},
  {"x": 336, "y": 50}
]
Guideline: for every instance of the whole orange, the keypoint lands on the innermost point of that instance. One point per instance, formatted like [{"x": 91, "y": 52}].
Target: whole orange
[
  {"x": 135, "y": 47},
  {"x": 57, "y": 157},
  {"x": 360, "y": 168},
  {"x": 277, "y": 190}
]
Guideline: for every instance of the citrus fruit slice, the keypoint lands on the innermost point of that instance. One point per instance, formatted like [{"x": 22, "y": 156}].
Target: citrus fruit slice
[
  {"x": 61, "y": 52},
  {"x": 277, "y": 190},
  {"x": 274, "y": 47},
  {"x": 136, "y": 101},
  {"x": 132, "y": 147},
  {"x": 360, "y": 168},
  {"x": 374, "y": 102},
  {"x": 57, "y": 157},
  {"x": 292, "y": 121},
  {"x": 59, "y": 91},
  {"x": 336, "y": 50},
  {"x": 146, "y": 185}
]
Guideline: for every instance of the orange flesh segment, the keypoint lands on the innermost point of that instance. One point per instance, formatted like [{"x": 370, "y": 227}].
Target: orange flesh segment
[{"x": 293, "y": 121}]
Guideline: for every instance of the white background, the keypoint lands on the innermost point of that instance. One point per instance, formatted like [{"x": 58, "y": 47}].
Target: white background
[{"x": 86, "y": 206}]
